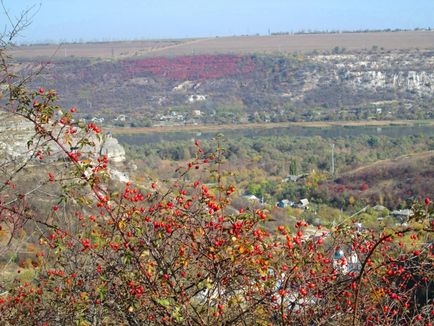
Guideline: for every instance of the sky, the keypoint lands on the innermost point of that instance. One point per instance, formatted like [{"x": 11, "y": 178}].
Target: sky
[{"x": 109, "y": 20}]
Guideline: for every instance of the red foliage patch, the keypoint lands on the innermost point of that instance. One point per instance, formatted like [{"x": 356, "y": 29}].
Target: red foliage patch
[{"x": 192, "y": 67}]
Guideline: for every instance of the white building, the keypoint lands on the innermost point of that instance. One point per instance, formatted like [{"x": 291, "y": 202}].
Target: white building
[{"x": 196, "y": 98}]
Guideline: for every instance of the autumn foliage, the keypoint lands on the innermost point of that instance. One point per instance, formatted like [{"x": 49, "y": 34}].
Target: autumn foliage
[
  {"x": 176, "y": 252},
  {"x": 196, "y": 67}
]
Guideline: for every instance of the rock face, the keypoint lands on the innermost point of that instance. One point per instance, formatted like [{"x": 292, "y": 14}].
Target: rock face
[
  {"x": 112, "y": 148},
  {"x": 14, "y": 135},
  {"x": 398, "y": 72},
  {"x": 15, "y": 132},
  {"x": 420, "y": 82}
]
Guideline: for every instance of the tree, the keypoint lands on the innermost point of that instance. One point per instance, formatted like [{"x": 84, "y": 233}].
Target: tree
[{"x": 293, "y": 167}]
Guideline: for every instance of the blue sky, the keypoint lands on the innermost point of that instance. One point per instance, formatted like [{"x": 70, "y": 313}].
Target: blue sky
[{"x": 92, "y": 20}]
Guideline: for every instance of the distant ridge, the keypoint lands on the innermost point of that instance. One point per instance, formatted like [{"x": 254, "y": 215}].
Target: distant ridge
[{"x": 280, "y": 43}]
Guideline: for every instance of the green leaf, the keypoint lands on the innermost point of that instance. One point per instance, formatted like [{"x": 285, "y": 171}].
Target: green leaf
[{"x": 164, "y": 302}]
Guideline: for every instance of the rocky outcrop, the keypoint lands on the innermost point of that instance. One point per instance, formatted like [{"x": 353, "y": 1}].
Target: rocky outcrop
[
  {"x": 111, "y": 147},
  {"x": 15, "y": 133},
  {"x": 398, "y": 72},
  {"x": 420, "y": 82}
]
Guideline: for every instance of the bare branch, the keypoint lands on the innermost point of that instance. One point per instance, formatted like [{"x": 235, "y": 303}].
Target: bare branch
[{"x": 17, "y": 24}]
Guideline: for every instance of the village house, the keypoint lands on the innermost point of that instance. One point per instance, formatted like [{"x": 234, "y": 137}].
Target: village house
[
  {"x": 402, "y": 215},
  {"x": 295, "y": 178},
  {"x": 252, "y": 198},
  {"x": 196, "y": 98},
  {"x": 121, "y": 117},
  {"x": 344, "y": 264},
  {"x": 97, "y": 120},
  {"x": 196, "y": 113},
  {"x": 285, "y": 203},
  {"x": 303, "y": 203}
]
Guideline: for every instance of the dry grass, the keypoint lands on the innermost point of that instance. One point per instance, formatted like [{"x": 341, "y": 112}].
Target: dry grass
[
  {"x": 235, "y": 44},
  {"x": 97, "y": 50},
  {"x": 423, "y": 159},
  {"x": 392, "y": 181}
]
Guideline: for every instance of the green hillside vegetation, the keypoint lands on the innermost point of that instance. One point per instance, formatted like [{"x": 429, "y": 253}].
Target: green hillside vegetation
[{"x": 262, "y": 162}]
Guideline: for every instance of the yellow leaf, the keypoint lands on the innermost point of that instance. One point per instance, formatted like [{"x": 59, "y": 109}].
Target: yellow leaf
[{"x": 122, "y": 224}]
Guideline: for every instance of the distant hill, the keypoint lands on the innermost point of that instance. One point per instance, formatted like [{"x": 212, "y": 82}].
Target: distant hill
[
  {"x": 389, "y": 182},
  {"x": 229, "y": 88}
]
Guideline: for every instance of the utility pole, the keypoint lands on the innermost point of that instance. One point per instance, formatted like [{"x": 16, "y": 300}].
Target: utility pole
[{"x": 333, "y": 160}]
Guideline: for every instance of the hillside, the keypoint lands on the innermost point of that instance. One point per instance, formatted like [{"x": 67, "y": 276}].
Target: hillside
[
  {"x": 387, "y": 182},
  {"x": 216, "y": 89}
]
